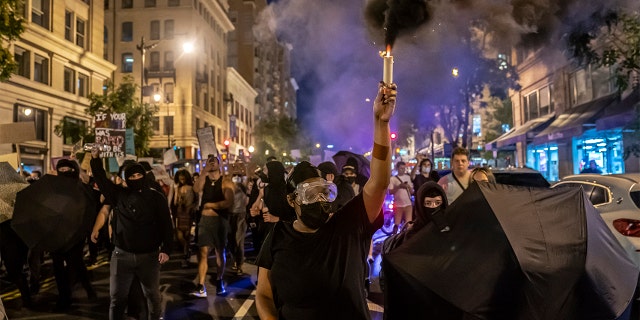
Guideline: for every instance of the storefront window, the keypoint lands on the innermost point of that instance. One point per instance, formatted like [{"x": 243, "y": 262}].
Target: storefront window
[
  {"x": 603, "y": 147},
  {"x": 544, "y": 158}
]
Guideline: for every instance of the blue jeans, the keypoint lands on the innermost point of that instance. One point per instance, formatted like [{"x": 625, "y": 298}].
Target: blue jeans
[{"x": 124, "y": 265}]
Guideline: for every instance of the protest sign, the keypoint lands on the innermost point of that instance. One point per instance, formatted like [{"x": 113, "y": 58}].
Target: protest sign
[
  {"x": 206, "y": 139},
  {"x": 111, "y": 134}
]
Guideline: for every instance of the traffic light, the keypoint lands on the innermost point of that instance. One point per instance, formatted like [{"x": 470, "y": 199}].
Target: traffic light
[
  {"x": 393, "y": 135},
  {"x": 226, "y": 145}
]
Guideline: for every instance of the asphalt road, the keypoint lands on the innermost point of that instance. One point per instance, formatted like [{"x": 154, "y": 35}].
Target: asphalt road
[{"x": 175, "y": 284}]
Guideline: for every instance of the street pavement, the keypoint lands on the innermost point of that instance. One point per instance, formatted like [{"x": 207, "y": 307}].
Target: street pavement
[{"x": 175, "y": 284}]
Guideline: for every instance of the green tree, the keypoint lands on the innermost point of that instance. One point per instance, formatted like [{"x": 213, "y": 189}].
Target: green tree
[
  {"x": 280, "y": 135},
  {"x": 612, "y": 40},
  {"x": 116, "y": 100},
  {"x": 11, "y": 27},
  {"x": 497, "y": 113}
]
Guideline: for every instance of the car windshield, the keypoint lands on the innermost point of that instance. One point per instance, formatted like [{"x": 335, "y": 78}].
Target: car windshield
[{"x": 635, "y": 196}]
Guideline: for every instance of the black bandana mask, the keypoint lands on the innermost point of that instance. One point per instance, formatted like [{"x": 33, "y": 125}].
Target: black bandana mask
[
  {"x": 135, "y": 184},
  {"x": 350, "y": 180},
  {"x": 430, "y": 211},
  {"x": 316, "y": 214},
  {"x": 69, "y": 174}
]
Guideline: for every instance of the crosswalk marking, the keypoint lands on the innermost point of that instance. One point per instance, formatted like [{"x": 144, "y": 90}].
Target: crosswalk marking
[{"x": 246, "y": 305}]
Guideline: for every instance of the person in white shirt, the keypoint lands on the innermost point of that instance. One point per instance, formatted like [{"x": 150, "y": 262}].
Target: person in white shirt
[{"x": 402, "y": 188}]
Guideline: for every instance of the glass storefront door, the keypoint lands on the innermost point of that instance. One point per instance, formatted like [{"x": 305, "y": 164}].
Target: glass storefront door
[
  {"x": 603, "y": 147},
  {"x": 544, "y": 158}
]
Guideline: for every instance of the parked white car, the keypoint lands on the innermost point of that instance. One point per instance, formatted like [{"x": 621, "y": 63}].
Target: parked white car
[{"x": 617, "y": 198}]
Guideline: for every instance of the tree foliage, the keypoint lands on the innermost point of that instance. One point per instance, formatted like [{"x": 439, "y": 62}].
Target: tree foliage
[
  {"x": 121, "y": 99},
  {"x": 612, "y": 41},
  {"x": 280, "y": 134},
  {"x": 11, "y": 27}
]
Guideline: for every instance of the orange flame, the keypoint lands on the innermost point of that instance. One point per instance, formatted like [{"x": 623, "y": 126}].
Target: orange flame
[{"x": 388, "y": 50}]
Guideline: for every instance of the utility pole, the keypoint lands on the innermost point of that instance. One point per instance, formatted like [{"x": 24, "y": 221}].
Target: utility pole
[{"x": 142, "y": 47}]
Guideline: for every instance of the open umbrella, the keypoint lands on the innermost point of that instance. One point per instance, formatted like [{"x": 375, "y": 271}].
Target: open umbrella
[
  {"x": 54, "y": 213},
  {"x": 341, "y": 157},
  {"x": 512, "y": 253},
  {"x": 10, "y": 183}
]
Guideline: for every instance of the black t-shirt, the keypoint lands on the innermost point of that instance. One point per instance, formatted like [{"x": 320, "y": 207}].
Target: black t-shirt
[
  {"x": 213, "y": 192},
  {"x": 321, "y": 275}
]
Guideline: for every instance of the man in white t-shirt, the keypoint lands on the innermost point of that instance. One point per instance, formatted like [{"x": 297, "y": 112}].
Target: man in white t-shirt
[
  {"x": 458, "y": 180},
  {"x": 402, "y": 188}
]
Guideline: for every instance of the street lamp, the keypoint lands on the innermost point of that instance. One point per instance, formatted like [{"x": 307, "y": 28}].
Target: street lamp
[
  {"x": 157, "y": 97},
  {"x": 142, "y": 47}
]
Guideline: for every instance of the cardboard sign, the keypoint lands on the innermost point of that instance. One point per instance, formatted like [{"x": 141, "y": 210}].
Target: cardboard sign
[
  {"x": 169, "y": 157},
  {"x": 111, "y": 141},
  {"x": 206, "y": 139},
  {"x": 11, "y": 158},
  {"x": 111, "y": 134},
  {"x": 17, "y": 132}
]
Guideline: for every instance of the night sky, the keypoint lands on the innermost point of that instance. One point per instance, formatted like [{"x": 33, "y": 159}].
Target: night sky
[{"x": 336, "y": 45}]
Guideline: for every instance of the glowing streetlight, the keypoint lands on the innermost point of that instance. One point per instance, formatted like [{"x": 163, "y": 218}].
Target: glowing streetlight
[
  {"x": 318, "y": 145},
  {"x": 187, "y": 47},
  {"x": 455, "y": 72},
  {"x": 251, "y": 149}
]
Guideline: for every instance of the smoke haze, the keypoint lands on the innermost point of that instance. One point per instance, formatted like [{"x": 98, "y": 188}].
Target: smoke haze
[{"x": 336, "y": 45}]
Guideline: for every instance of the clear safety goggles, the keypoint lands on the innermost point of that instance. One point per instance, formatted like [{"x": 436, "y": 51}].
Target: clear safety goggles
[{"x": 316, "y": 191}]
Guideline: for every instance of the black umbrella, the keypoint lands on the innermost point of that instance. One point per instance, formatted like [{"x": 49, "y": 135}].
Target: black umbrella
[
  {"x": 512, "y": 253},
  {"x": 340, "y": 159},
  {"x": 53, "y": 213}
]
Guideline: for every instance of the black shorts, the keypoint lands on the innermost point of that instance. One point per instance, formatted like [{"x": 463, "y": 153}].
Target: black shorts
[{"x": 212, "y": 232}]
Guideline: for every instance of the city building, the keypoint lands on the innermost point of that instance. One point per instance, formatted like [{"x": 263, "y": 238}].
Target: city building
[
  {"x": 182, "y": 47},
  {"x": 60, "y": 62},
  {"x": 565, "y": 116},
  {"x": 262, "y": 59}
]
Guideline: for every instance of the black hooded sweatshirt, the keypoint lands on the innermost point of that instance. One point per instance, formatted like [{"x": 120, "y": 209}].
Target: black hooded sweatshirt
[{"x": 141, "y": 219}]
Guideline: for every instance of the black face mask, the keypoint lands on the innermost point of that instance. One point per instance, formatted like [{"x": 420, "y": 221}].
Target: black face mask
[
  {"x": 350, "y": 180},
  {"x": 263, "y": 177},
  {"x": 68, "y": 174},
  {"x": 135, "y": 184},
  {"x": 316, "y": 214},
  {"x": 430, "y": 211}
]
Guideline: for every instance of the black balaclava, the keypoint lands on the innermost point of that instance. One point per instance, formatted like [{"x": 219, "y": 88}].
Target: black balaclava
[
  {"x": 73, "y": 173},
  {"x": 129, "y": 171},
  {"x": 328, "y": 167},
  {"x": 428, "y": 189}
]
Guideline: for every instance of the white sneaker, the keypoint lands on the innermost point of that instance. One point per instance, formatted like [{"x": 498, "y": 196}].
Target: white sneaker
[{"x": 200, "y": 292}]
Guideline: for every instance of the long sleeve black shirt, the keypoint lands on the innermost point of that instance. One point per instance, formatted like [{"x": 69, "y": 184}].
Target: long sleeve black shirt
[{"x": 141, "y": 219}]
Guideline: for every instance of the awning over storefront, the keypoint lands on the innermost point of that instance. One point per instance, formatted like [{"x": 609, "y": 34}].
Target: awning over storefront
[
  {"x": 572, "y": 122},
  {"x": 620, "y": 114},
  {"x": 520, "y": 134}
]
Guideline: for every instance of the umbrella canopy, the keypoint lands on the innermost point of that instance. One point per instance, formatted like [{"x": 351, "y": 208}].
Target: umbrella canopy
[
  {"x": 341, "y": 157},
  {"x": 535, "y": 254},
  {"x": 10, "y": 183},
  {"x": 54, "y": 213}
]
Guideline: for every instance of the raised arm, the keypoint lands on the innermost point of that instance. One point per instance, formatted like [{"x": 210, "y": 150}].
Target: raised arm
[
  {"x": 107, "y": 188},
  {"x": 376, "y": 187}
]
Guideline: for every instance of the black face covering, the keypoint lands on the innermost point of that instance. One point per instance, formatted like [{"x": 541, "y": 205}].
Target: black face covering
[
  {"x": 350, "y": 180},
  {"x": 68, "y": 174},
  {"x": 316, "y": 214},
  {"x": 135, "y": 184},
  {"x": 430, "y": 211}
]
